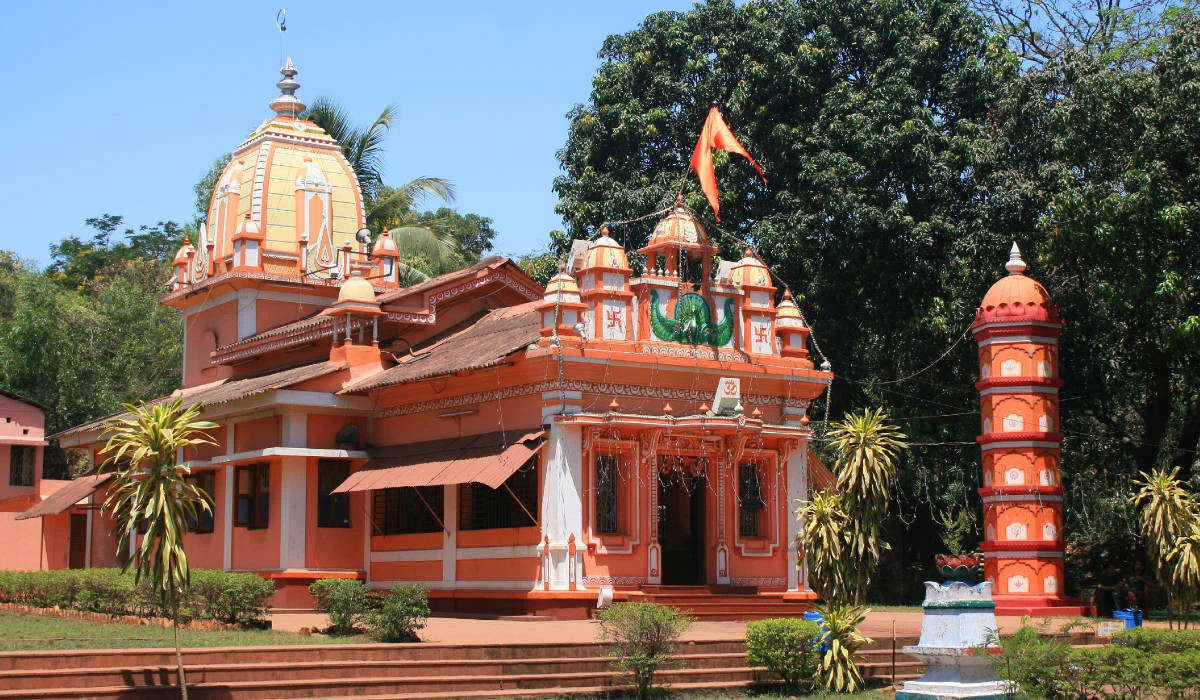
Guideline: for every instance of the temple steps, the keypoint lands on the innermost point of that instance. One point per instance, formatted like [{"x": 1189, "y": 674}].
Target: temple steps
[
  {"x": 380, "y": 671},
  {"x": 724, "y": 603}
]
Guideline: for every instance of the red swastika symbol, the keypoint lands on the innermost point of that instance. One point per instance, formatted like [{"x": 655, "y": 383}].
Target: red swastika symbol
[
  {"x": 614, "y": 319},
  {"x": 760, "y": 334}
]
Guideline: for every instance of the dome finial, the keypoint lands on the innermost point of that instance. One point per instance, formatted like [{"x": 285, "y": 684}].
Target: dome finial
[
  {"x": 1015, "y": 264},
  {"x": 287, "y": 104}
]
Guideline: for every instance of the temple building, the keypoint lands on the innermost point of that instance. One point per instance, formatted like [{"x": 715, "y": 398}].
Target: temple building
[
  {"x": 513, "y": 448},
  {"x": 1017, "y": 328}
]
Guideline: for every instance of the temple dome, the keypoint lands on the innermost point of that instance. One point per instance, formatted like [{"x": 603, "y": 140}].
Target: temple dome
[
  {"x": 679, "y": 229},
  {"x": 750, "y": 271},
  {"x": 292, "y": 180},
  {"x": 788, "y": 314},
  {"x": 605, "y": 252},
  {"x": 562, "y": 287},
  {"x": 1016, "y": 297}
]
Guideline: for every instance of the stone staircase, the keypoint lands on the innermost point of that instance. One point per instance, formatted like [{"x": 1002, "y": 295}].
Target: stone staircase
[
  {"x": 377, "y": 671},
  {"x": 724, "y": 603}
]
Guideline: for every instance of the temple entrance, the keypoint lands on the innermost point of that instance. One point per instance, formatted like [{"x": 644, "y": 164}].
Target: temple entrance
[{"x": 681, "y": 528}]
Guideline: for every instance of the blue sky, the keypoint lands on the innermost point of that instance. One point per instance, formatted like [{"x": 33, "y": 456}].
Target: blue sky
[{"x": 120, "y": 107}]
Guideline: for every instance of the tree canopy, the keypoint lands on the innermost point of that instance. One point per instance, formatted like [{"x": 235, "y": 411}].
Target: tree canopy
[{"x": 906, "y": 145}]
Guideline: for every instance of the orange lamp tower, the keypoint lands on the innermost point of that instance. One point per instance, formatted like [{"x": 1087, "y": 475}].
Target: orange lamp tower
[{"x": 1017, "y": 328}]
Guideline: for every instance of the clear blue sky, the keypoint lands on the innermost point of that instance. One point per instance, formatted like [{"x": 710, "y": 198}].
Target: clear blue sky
[{"x": 120, "y": 107}]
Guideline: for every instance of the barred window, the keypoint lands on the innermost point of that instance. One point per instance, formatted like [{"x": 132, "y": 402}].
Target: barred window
[
  {"x": 20, "y": 465},
  {"x": 409, "y": 510},
  {"x": 203, "y": 523},
  {"x": 751, "y": 504},
  {"x": 514, "y": 504},
  {"x": 333, "y": 509},
  {"x": 253, "y": 496},
  {"x": 607, "y": 495}
]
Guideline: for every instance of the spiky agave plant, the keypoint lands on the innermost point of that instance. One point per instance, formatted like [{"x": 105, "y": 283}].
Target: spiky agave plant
[{"x": 150, "y": 487}]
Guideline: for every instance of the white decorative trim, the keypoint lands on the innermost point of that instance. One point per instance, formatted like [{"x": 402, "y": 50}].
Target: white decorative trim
[
  {"x": 1023, "y": 498},
  {"x": 699, "y": 352},
  {"x": 1014, "y": 339},
  {"x": 1020, "y": 444},
  {"x": 260, "y": 180},
  {"x": 464, "y": 585},
  {"x": 523, "y": 551},
  {"x": 614, "y": 581},
  {"x": 760, "y": 581},
  {"x": 604, "y": 388},
  {"x": 1020, "y": 389},
  {"x": 1015, "y": 554},
  {"x": 290, "y": 452}
]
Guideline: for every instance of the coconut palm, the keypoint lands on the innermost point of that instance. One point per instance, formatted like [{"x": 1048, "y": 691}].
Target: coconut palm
[
  {"x": 866, "y": 449},
  {"x": 363, "y": 148},
  {"x": 1169, "y": 519},
  {"x": 150, "y": 488}
]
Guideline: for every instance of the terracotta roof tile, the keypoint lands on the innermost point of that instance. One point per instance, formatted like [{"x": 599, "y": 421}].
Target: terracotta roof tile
[
  {"x": 226, "y": 391},
  {"x": 492, "y": 338},
  {"x": 67, "y": 496}
]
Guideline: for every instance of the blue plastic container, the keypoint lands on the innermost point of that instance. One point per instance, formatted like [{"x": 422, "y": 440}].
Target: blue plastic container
[
  {"x": 811, "y": 616},
  {"x": 1132, "y": 618}
]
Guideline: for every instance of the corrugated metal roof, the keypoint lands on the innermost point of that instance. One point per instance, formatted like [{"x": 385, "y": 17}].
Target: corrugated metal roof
[
  {"x": 483, "y": 459},
  {"x": 227, "y": 391},
  {"x": 67, "y": 496},
  {"x": 492, "y": 338}
]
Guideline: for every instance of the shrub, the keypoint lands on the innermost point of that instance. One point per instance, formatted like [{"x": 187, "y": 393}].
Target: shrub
[
  {"x": 398, "y": 614},
  {"x": 233, "y": 598},
  {"x": 1140, "y": 663},
  {"x": 787, "y": 647},
  {"x": 643, "y": 636},
  {"x": 345, "y": 600}
]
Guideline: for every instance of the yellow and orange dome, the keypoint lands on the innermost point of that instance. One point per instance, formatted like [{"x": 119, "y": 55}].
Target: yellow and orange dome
[
  {"x": 606, "y": 253},
  {"x": 679, "y": 229},
  {"x": 750, "y": 271},
  {"x": 292, "y": 180}
]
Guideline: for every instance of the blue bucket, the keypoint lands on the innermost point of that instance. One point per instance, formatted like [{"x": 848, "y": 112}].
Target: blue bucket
[{"x": 1132, "y": 618}]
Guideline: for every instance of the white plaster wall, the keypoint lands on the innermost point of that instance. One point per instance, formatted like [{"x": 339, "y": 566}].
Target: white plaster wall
[
  {"x": 562, "y": 500},
  {"x": 797, "y": 490},
  {"x": 292, "y": 496}
]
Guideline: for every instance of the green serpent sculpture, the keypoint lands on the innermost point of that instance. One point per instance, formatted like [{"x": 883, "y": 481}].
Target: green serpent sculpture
[{"x": 692, "y": 323}]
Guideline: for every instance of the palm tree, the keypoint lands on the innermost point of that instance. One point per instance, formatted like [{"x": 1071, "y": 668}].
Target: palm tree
[
  {"x": 363, "y": 148},
  {"x": 866, "y": 449},
  {"x": 1169, "y": 519},
  {"x": 150, "y": 487}
]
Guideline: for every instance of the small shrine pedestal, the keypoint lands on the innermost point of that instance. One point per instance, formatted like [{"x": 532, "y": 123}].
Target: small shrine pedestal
[{"x": 959, "y": 619}]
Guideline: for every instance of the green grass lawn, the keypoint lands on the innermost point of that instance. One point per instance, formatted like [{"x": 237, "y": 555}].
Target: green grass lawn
[{"x": 21, "y": 632}]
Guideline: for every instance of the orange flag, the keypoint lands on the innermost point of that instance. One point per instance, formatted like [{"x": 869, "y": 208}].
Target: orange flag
[{"x": 715, "y": 134}]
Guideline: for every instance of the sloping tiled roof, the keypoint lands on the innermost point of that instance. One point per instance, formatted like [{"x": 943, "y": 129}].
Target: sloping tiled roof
[
  {"x": 67, "y": 496},
  {"x": 227, "y": 391},
  {"x": 22, "y": 399},
  {"x": 417, "y": 289},
  {"x": 819, "y": 476},
  {"x": 492, "y": 338}
]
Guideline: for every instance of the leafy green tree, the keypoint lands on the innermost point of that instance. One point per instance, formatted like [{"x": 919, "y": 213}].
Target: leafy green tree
[
  {"x": 1123, "y": 33},
  {"x": 150, "y": 488},
  {"x": 207, "y": 185},
  {"x": 362, "y": 147}
]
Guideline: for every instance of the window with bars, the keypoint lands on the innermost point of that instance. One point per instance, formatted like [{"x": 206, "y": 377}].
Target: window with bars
[
  {"x": 204, "y": 521},
  {"x": 253, "y": 504},
  {"x": 20, "y": 465},
  {"x": 751, "y": 504},
  {"x": 409, "y": 510},
  {"x": 333, "y": 509},
  {"x": 607, "y": 495},
  {"x": 514, "y": 504}
]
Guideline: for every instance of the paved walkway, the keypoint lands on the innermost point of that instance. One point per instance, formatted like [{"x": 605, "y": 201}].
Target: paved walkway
[{"x": 460, "y": 630}]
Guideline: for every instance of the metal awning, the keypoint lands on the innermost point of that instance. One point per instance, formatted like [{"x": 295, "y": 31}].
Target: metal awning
[
  {"x": 483, "y": 459},
  {"x": 67, "y": 496}
]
